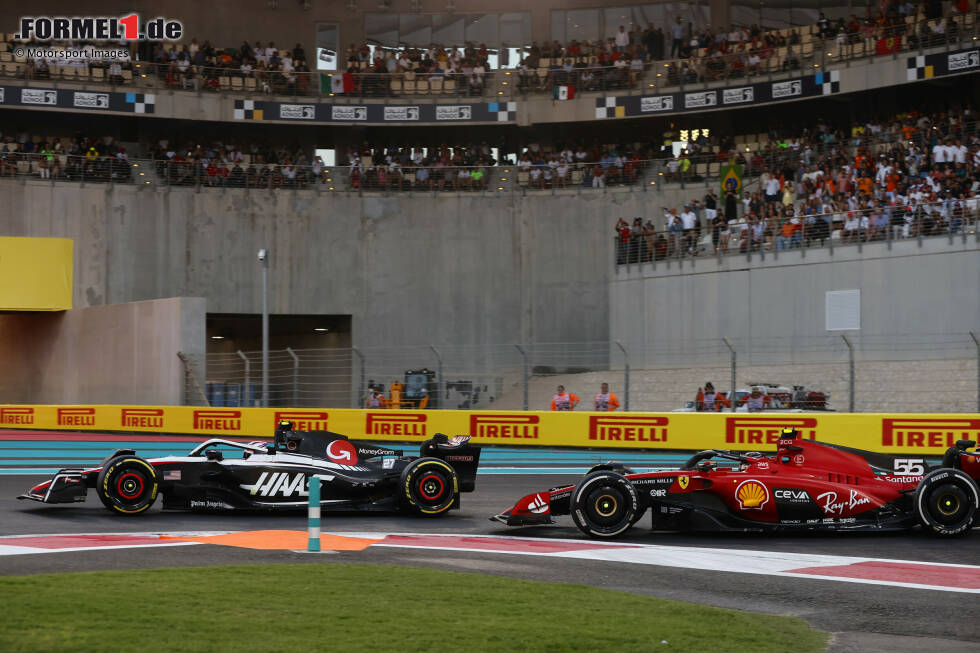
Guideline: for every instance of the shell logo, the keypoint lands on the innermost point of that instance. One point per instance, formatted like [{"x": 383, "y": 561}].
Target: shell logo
[{"x": 751, "y": 495}]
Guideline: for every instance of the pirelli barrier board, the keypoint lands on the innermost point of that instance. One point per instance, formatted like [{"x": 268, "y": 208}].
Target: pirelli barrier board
[{"x": 888, "y": 433}]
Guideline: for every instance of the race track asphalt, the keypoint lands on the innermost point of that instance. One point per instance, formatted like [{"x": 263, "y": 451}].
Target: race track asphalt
[{"x": 863, "y": 617}]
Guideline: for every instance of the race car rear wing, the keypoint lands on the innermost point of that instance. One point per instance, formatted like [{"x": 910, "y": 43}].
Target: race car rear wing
[{"x": 458, "y": 452}]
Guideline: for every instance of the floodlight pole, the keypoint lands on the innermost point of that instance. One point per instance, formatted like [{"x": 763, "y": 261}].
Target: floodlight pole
[{"x": 264, "y": 259}]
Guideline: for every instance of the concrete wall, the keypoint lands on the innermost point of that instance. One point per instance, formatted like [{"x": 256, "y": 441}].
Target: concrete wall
[
  {"x": 122, "y": 353},
  {"x": 410, "y": 270},
  {"x": 914, "y": 300}
]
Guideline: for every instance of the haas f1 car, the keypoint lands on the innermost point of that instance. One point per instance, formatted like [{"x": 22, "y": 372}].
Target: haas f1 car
[
  {"x": 806, "y": 486},
  {"x": 221, "y": 475}
]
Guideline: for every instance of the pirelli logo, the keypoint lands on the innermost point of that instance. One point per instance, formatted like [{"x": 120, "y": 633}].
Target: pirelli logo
[
  {"x": 303, "y": 420},
  {"x": 766, "y": 430},
  {"x": 504, "y": 426},
  {"x": 628, "y": 429},
  {"x": 217, "y": 420},
  {"x": 141, "y": 418},
  {"x": 912, "y": 432},
  {"x": 407, "y": 425},
  {"x": 76, "y": 417},
  {"x": 16, "y": 415}
]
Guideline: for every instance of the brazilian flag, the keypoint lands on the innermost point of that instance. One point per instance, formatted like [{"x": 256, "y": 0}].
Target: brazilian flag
[{"x": 731, "y": 178}]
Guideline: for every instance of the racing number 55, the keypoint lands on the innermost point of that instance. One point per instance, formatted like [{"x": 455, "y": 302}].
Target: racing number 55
[{"x": 910, "y": 466}]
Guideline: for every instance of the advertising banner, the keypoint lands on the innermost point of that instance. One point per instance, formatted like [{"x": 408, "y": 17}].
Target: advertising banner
[{"x": 887, "y": 433}]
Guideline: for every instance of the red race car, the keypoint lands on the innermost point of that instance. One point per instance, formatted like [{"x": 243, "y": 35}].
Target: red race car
[{"x": 806, "y": 486}]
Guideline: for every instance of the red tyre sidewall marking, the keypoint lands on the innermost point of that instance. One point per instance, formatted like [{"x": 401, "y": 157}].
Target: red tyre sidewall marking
[
  {"x": 425, "y": 494},
  {"x": 122, "y": 492}
]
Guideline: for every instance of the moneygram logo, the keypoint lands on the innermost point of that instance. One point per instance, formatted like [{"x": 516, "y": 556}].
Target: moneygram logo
[
  {"x": 76, "y": 417},
  {"x": 394, "y": 424},
  {"x": 142, "y": 418},
  {"x": 937, "y": 433},
  {"x": 766, "y": 430},
  {"x": 16, "y": 416},
  {"x": 303, "y": 420},
  {"x": 516, "y": 426},
  {"x": 217, "y": 420},
  {"x": 628, "y": 429},
  {"x": 98, "y": 28}
]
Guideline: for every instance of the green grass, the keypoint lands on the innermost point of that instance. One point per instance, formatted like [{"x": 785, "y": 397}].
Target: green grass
[{"x": 349, "y": 608}]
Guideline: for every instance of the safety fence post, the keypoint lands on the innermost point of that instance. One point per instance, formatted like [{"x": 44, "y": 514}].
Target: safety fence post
[
  {"x": 295, "y": 376},
  {"x": 976, "y": 341},
  {"x": 526, "y": 375},
  {"x": 850, "y": 373},
  {"x": 731, "y": 391},
  {"x": 243, "y": 397},
  {"x": 626, "y": 376},
  {"x": 313, "y": 518},
  {"x": 440, "y": 384},
  {"x": 362, "y": 391}
]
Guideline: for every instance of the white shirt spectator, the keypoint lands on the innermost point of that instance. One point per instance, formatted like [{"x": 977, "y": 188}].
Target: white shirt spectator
[
  {"x": 772, "y": 186},
  {"x": 959, "y": 153},
  {"x": 622, "y": 39},
  {"x": 688, "y": 219},
  {"x": 939, "y": 153}
]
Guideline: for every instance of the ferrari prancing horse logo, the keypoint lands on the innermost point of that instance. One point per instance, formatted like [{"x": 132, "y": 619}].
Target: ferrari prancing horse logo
[{"x": 682, "y": 481}]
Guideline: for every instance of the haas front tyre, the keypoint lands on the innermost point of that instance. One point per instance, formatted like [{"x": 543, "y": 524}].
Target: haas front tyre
[
  {"x": 604, "y": 504},
  {"x": 946, "y": 501},
  {"x": 429, "y": 486},
  {"x": 127, "y": 485}
]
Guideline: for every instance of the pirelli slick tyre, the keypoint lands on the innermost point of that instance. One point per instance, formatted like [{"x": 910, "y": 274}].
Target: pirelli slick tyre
[
  {"x": 127, "y": 485},
  {"x": 946, "y": 502},
  {"x": 604, "y": 504},
  {"x": 428, "y": 486}
]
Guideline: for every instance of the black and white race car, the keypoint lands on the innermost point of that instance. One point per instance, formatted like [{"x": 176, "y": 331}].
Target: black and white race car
[{"x": 222, "y": 475}]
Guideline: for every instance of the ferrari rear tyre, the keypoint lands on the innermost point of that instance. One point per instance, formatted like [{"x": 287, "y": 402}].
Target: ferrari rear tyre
[
  {"x": 127, "y": 485},
  {"x": 429, "y": 486},
  {"x": 604, "y": 504},
  {"x": 946, "y": 502}
]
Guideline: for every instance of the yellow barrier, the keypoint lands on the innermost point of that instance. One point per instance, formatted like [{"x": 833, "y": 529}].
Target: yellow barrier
[{"x": 887, "y": 433}]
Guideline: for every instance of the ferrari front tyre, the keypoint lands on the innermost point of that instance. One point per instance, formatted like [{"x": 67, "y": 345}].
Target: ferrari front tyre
[
  {"x": 604, "y": 504},
  {"x": 127, "y": 485},
  {"x": 946, "y": 501},
  {"x": 429, "y": 486}
]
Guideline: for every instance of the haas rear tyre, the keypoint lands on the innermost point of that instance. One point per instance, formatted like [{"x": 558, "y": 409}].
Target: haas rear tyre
[
  {"x": 127, "y": 485},
  {"x": 429, "y": 486},
  {"x": 946, "y": 502},
  {"x": 604, "y": 504}
]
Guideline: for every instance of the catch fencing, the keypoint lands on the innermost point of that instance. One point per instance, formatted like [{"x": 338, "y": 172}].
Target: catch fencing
[{"x": 863, "y": 373}]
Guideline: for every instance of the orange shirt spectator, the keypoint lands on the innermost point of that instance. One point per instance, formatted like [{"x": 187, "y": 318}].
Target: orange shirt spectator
[
  {"x": 564, "y": 400},
  {"x": 605, "y": 400}
]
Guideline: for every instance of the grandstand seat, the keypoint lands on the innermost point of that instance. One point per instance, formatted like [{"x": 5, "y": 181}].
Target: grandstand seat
[
  {"x": 422, "y": 87},
  {"x": 857, "y": 50},
  {"x": 35, "y": 167},
  {"x": 701, "y": 170},
  {"x": 82, "y": 72},
  {"x": 714, "y": 169},
  {"x": 435, "y": 85},
  {"x": 63, "y": 159},
  {"x": 250, "y": 84},
  {"x": 6, "y": 56},
  {"x": 544, "y": 62},
  {"x": 127, "y": 76},
  {"x": 54, "y": 71},
  {"x": 524, "y": 178},
  {"x": 236, "y": 84},
  {"x": 410, "y": 76},
  {"x": 410, "y": 178},
  {"x": 4, "y": 46},
  {"x": 409, "y": 87},
  {"x": 98, "y": 74},
  {"x": 224, "y": 82},
  {"x": 577, "y": 176},
  {"x": 740, "y": 139},
  {"x": 23, "y": 167},
  {"x": 11, "y": 69},
  {"x": 396, "y": 86},
  {"x": 449, "y": 86}
]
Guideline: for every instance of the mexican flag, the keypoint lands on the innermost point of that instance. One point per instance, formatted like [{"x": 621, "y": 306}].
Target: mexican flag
[
  {"x": 564, "y": 92},
  {"x": 336, "y": 83}
]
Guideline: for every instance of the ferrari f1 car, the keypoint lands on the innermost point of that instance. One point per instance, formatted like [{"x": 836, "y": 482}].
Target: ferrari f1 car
[
  {"x": 806, "y": 486},
  {"x": 222, "y": 475}
]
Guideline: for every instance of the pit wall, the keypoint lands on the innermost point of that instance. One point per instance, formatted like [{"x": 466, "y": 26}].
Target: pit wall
[{"x": 923, "y": 434}]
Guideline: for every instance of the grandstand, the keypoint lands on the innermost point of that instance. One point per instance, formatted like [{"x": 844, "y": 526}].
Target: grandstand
[{"x": 516, "y": 199}]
